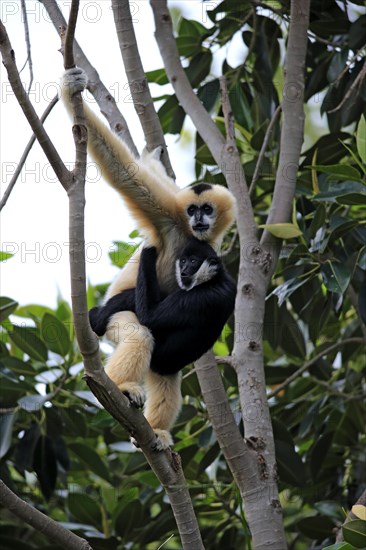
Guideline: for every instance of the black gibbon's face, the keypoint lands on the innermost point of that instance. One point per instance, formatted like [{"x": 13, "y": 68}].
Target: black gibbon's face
[
  {"x": 193, "y": 270},
  {"x": 201, "y": 218}
]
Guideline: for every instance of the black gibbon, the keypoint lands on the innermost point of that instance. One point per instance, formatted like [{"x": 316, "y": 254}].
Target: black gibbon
[
  {"x": 167, "y": 217},
  {"x": 186, "y": 323}
]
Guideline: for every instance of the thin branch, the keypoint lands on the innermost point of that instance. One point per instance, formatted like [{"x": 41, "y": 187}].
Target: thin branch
[
  {"x": 49, "y": 149},
  {"x": 45, "y": 525},
  {"x": 28, "y": 44},
  {"x": 102, "y": 95},
  {"x": 69, "y": 61},
  {"x": 262, "y": 152},
  {"x": 137, "y": 81},
  {"x": 292, "y": 133},
  {"x": 348, "y": 65},
  {"x": 311, "y": 362},
  {"x": 356, "y": 84},
  {"x": 25, "y": 156},
  {"x": 166, "y": 465},
  {"x": 179, "y": 80}
]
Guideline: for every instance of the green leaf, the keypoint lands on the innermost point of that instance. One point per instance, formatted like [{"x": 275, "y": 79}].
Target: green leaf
[
  {"x": 129, "y": 518},
  {"x": 7, "y": 306},
  {"x": 316, "y": 527},
  {"x": 123, "y": 253},
  {"x": 336, "y": 276},
  {"x": 361, "y": 138},
  {"x": 336, "y": 190},
  {"x": 354, "y": 532},
  {"x": 340, "y": 546},
  {"x": 5, "y": 256},
  {"x": 199, "y": 68},
  {"x": 85, "y": 509},
  {"x": 33, "y": 310},
  {"x": 341, "y": 171},
  {"x": 282, "y": 230},
  {"x": 319, "y": 453},
  {"x": 352, "y": 199},
  {"x": 158, "y": 76},
  {"x": 171, "y": 116},
  {"x": 6, "y": 431},
  {"x": 91, "y": 459},
  {"x": 55, "y": 335},
  {"x": 45, "y": 465},
  {"x": 29, "y": 343},
  {"x": 188, "y": 45}
]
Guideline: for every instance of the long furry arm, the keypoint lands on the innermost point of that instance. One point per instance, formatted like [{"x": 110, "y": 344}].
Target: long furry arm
[{"x": 146, "y": 192}]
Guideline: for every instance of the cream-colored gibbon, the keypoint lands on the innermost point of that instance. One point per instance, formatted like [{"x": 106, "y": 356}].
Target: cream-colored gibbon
[{"x": 167, "y": 218}]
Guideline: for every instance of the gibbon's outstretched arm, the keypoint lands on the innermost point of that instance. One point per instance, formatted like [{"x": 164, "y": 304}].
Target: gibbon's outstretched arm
[{"x": 147, "y": 190}]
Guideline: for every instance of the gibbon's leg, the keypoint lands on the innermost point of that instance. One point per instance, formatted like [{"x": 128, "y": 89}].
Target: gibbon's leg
[
  {"x": 163, "y": 404},
  {"x": 130, "y": 361}
]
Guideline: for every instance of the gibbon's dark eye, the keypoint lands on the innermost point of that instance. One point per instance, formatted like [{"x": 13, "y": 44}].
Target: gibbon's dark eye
[
  {"x": 213, "y": 262},
  {"x": 183, "y": 261},
  {"x": 191, "y": 210},
  {"x": 207, "y": 209},
  {"x": 193, "y": 261}
]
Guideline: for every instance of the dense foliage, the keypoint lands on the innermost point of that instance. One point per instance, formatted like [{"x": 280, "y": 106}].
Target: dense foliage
[{"x": 64, "y": 454}]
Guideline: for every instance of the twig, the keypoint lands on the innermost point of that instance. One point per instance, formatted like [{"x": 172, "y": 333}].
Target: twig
[
  {"x": 102, "y": 95},
  {"x": 25, "y": 156},
  {"x": 69, "y": 61},
  {"x": 348, "y": 64},
  {"x": 356, "y": 84},
  {"x": 262, "y": 152},
  {"x": 231, "y": 244},
  {"x": 49, "y": 149},
  {"x": 49, "y": 527},
  {"x": 27, "y": 41},
  {"x": 234, "y": 173},
  {"x": 311, "y": 362},
  {"x": 137, "y": 81}
]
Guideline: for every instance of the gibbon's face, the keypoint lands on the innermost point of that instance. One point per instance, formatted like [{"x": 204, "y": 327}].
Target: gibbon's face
[
  {"x": 193, "y": 270},
  {"x": 201, "y": 218}
]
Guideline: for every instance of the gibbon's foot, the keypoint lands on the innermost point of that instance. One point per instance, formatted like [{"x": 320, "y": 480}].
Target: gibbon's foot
[
  {"x": 134, "y": 393},
  {"x": 163, "y": 441},
  {"x": 74, "y": 80}
]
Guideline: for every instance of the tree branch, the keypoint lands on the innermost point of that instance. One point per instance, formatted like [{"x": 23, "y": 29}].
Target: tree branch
[
  {"x": 45, "y": 525},
  {"x": 48, "y": 148},
  {"x": 27, "y": 41},
  {"x": 137, "y": 81},
  {"x": 222, "y": 419},
  {"x": 311, "y": 362},
  {"x": 24, "y": 156},
  {"x": 262, "y": 152},
  {"x": 102, "y": 95},
  {"x": 292, "y": 133}
]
